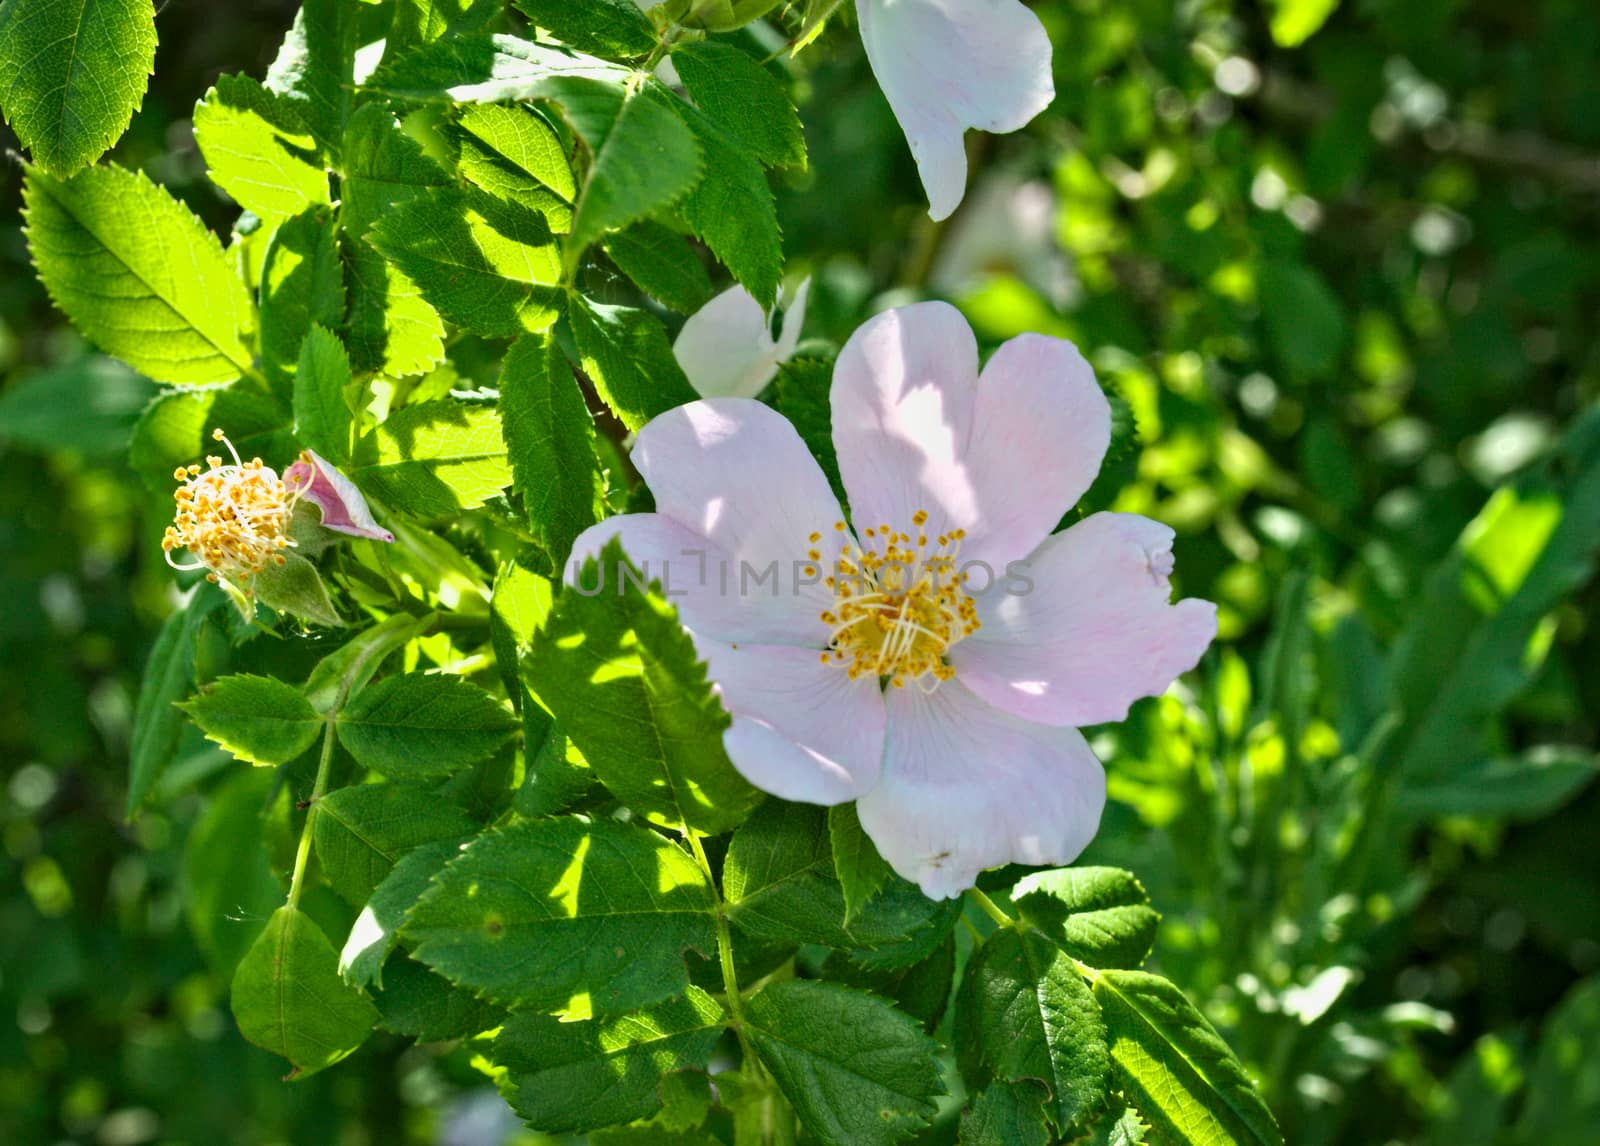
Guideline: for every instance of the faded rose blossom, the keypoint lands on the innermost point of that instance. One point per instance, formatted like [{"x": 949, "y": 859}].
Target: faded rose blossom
[{"x": 344, "y": 510}]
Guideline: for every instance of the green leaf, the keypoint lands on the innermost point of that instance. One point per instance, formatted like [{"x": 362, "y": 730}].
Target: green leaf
[
  {"x": 168, "y": 677},
  {"x": 647, "y": 161},
  {"x": 491, "y": 69},
  {"x": 512, "y": 151},
  {"x": 322, "y": 417},
  {"x": 1525, "y": 787},
  {"x": 1007, "y": 1114},
  {"x": 288, "y": 997},
  {"x": 489, "y": 266},
  {"x": 296, "y": 588},
  {"x": 257, "y": 718},
  {"x": 743, "y": 99},
  {"x": 1101, "y": 915},
  {"x": 1024, "y": 1012},
  {"x": 72, "y": 75},
  {"x": 605, "y": 27},
  {"x": 424, "y": 21},
  {"x": 609, "y": 909},
  {"x": 361, "y": 832},
  {"x": 858, "y": 1072},
  {"x": 427, "y": 1007},
  {"x": 780, "y": 885},
  {"x": 227, "y": 872},
  {"x": 732, "y": 210},
  {"x": 1296, "y": 21},
  {"x": 138, "y": 274},
  {"x": 392, "y": 327},
  {"x": 259, "y": 150},
  {"x": 550, "y": 439},
  {"x": 625, "y": 353},
  {"x": 175, "y": 430},
  {"x": 802, "y": 396},
  {"x": 861, "y": 871},
  {"x": 920, "y": 989},
  {"x": 348, "y": 668},
  {"x": 1563, "y": 1103},
  {"x": 1466, "y": 650},
  {"x": 85, "y": 406},
  {"x": 1175, "y": 1069},
  {"x": 662, "y": 264},
  {"x": 434, "y": 459},
  {"x": 377, "y": 929},
  {"x": 419, "y": 725},
  {"x": 622, "y": 677},
  {"x": 315, "y": 69},
  {"x": 1304, "y": 318},
  {"x": 302, "y": 285},
  {"x": 572, "y": 1077}
]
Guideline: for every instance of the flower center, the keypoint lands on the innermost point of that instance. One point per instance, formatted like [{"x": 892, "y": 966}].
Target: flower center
[
  {"x": 899, "y": 603},
  {"x": 231, "y": 518}
]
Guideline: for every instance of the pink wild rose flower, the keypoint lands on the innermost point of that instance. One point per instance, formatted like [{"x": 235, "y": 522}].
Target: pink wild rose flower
[{"x": 934, "y": 660}]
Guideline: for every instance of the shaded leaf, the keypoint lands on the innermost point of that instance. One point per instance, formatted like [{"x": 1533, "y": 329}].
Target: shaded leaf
[
  {"x": 302, "y": 285},
  {"x": 661, "y": 262},
  {"x": 626, "y": 355},
  {"x": 1098, "y": 914},
  {"x": 422, "y": 725},
  {"x": 744, "y": 100},
  {"x": 361, "y": 832},
  {"x": 606, "y": 27}
]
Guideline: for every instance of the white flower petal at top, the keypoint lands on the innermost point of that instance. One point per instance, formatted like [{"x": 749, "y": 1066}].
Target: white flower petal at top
[
  {"x": 947, "y": 65},
  {"x": 726, "y": 348}
]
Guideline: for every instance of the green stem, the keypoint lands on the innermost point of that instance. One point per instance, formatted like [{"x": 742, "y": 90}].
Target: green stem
[
  {"x": 990, "y": 908},
  {"x": 777, "y": 1121},
  {"x": 324, "y": 767}
]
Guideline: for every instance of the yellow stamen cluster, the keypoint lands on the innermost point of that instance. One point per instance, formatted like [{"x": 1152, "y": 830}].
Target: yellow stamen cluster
[
  {"x": 899, "y": 604},
  {"x": 231, "y": 518}
]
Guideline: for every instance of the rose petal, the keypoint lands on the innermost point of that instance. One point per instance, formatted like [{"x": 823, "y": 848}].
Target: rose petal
[
  {"x": 344, "y": 510},
  {"x": 966, "y": 787},
  {"x": 726, "y": 347},
  {"x": 947, "y": 65},
  {"x": 699, "y": 578},
  {"x": 801, "y": 730},
  {"x": 1094, "y": 632},
  {"x": 1002, "y": 457},
  {"x": 736, "y": 472}
]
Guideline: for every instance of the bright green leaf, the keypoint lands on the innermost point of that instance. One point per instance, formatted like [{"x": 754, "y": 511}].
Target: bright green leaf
[
  {"x": 861, "y": 871},
  {"x": 138, "y": 274},
  {"x": 625, "y": 353},
  {"x": 743, "y": 99},
  {"x": 489, "y": 266},
  {"x": 648, "y": 160},
  {"x": 550, "y": 441},
  {"x": 302, "y": 284},
  {"x": 1175, "y": 1069},
  {"x": 259, "y": 150},
  {"x": 315, "y": 69},
  {"x": 606, "y": 27},
  {"x": 608, "y": 907},
  {"x": 511, "y": 150},
  {"x": 257, "y": 718},
  {"x": 288, "y": 997},
  {"x": 377, "y": 929},
  {"x": 1296, "y": 21},
  {"x": 623, "y": 679},
  {"x": 434, "y": 459},
  {"x": 419, "y": 725},
  {"x": 663, "y": 265},
  {"x": 858, "y": 1072},
  {"x": 780, "y": 885},
  {"x": 322, "y": 417},
  {"x": 1098, "y": 914},
  {"x": 1024, "y": 1012},
  {"x": 572, "y": 1077},
  {"x": 72, "y": 75},
  {"x": 361, "y": 832}
]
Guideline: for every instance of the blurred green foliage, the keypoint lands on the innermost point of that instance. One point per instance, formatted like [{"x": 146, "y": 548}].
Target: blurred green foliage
[{"x": 1342, "y": 262}]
